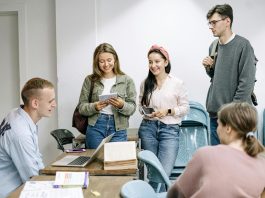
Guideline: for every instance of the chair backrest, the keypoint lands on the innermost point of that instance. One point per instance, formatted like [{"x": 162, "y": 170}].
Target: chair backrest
[
  {"x": 137, "y": 189},
  {"x": 196, "y": 116},
  {"x": 193, "y": 135},
  {"x": 191, "y": 138},
  {"x": 62, "y": 136},
  {"x": 155, "y": 170}
]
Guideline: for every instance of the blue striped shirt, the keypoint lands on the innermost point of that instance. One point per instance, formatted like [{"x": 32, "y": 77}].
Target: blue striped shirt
[{"x": 20, "y": 157}]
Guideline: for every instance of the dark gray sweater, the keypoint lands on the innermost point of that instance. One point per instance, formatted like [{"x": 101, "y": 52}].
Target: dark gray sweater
[{"x": 234, "y": 74}]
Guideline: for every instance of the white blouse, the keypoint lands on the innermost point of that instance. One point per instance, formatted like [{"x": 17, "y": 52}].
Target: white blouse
[{"x": 172, "y": 95}]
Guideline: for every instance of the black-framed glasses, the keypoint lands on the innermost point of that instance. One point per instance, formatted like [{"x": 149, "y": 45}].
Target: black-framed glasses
[{"x": 213, "y": 22}]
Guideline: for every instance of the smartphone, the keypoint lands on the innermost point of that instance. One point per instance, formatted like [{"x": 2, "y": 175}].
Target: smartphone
[
  {"x": 77, "y": 150},
  {"x": 147, "y": 110},
  {"x": 107, "y": 96}
]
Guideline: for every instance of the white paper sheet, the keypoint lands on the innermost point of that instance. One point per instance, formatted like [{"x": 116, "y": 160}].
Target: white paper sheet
[
  {"x": 53, "y": 193},
  {"x": 44, "y": 189}
]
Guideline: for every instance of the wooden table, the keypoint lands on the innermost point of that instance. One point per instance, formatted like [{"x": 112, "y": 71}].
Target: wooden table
[
  {"x": 107, "y": 186},
  {"x": 94, "y": 168}
]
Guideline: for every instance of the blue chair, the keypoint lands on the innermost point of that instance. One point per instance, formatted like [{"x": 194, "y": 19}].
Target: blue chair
[
  {"x": 139, "y": 189},
  {"x": 197, "y": 116},
  {"x": 155, "y": 170},
  {"x": 193, "y": 135}
]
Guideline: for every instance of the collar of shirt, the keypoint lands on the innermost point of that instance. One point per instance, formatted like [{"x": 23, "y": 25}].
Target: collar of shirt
[
  {"x": 230, "y": 39},
  {"x": 26, "y": 116}
]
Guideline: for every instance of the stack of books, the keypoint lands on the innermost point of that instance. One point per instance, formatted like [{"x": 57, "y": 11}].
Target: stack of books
[{"x": 120, "y": 155}]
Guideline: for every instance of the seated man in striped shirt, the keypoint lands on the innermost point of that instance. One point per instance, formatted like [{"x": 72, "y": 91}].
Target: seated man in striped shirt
[{"x": 20, "y": 158}]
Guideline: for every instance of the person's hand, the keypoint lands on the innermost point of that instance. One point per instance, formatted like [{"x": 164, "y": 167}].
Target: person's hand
[
  {"x": 207, "y": 62},
  {"x": 100, "y": 105},
  {"x": 160, "y": 114},
  {"x": 116, "y": 102}
]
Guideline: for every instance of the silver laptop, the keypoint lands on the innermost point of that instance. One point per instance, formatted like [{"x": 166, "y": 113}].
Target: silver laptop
[{"x": 81, "y": 161}]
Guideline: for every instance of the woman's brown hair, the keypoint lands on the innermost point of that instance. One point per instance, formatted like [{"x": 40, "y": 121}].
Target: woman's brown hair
[
  {"x": 242, "y": 117},
  {"x": 104, "y": 48}
]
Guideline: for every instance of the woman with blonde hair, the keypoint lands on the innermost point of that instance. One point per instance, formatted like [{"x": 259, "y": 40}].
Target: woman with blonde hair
[
  {"x": 232, "y": 169},
  {"x": 109, "y": 115}
]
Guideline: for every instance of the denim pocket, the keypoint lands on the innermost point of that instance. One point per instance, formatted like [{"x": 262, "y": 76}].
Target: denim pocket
[{"x": 147, "y": 126}]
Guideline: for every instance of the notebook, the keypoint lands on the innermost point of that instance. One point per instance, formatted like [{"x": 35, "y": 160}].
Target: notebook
[
  {"x": 81, "y": 161},
  {"x": 120, "y": 155}
]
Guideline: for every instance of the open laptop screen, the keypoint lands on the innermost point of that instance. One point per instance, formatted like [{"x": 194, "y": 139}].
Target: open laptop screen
[{"x": 81, "y": 161}]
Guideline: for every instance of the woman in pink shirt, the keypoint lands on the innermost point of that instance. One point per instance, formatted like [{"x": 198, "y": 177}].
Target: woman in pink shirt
[
  {"x": 231, "y": 169},
  {"x": 166, "y": 94}
]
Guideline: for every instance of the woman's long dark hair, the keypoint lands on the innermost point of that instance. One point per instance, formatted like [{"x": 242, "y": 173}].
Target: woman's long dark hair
[{"x": 150, "y": 82}]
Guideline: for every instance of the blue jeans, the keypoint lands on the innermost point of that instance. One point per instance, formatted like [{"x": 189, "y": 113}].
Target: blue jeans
[
  {"x": 213, "y": 127},
  {"x": 162, "y": 139},
  {"x": 104, "y": 126}
]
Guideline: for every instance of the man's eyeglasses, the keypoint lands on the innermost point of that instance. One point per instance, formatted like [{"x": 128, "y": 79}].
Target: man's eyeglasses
[{"x": 213, "y": 22}]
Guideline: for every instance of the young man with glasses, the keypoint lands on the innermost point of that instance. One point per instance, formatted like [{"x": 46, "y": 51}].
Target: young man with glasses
[{"x": 232, "y": 68}]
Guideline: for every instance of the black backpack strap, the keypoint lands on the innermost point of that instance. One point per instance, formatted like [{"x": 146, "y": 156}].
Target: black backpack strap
[
  {"x": 214, "y": 48},
  {"x": 213, "y": 54}
]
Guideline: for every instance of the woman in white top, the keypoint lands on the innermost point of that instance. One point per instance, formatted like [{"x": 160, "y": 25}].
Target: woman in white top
[
  {"x": 107, "y": 116},
  {"x": 166, "y": 94}
]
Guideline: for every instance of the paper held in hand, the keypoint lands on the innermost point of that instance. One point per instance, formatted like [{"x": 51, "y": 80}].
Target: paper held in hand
[
  {"x": 71, "y": 179},
  {"x": 120, "y": 155}
]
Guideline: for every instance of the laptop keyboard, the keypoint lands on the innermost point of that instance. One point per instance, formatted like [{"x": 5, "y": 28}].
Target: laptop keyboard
[{"x": 79, "y": 161}]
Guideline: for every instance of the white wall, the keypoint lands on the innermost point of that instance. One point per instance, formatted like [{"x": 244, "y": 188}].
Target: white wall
[
  {"x": 132, "y": 27},
  {"x": 75, "y": 39},
  {"x": 41, "y": 61},
  {"x": 37, "y": 56},
  {"x": 9, "y": 70}
]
